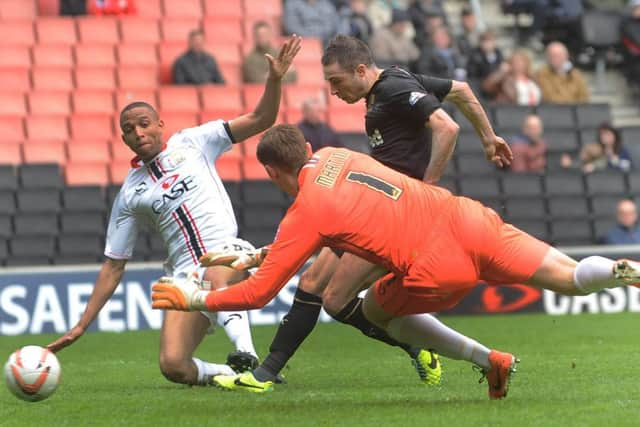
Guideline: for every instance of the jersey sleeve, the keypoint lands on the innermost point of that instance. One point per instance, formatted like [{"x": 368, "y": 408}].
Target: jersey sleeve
[
  {"x": 437, "y": 86},
  {"x": 122, "y": 231},
  {"x": 297, "y": 239},
  {"x": 212, "y": 138},
  {"x": 410, "y": 101}
]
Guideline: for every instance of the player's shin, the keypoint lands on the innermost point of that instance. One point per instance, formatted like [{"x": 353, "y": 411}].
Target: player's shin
[
  {"x": 236, "y": 325},
  {"x": 426, "y": 331},
  {"x": 595, "y": 273},
  {"x": 206, "y": 371}
]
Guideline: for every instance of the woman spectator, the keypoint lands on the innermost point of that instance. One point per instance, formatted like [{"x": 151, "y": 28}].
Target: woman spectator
[
  {"x": 607, "y": 152},
  {"x": 513, "y": 82}
]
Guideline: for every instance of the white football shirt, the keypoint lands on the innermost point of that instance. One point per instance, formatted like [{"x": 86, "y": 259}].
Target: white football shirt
[{"x": 178, "y": 193}]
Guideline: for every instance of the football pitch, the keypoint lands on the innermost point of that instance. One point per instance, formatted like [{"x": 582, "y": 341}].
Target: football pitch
[{"x": 575, "y": 371}]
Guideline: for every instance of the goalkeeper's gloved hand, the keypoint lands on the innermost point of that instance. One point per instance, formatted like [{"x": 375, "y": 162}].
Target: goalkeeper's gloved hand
[
  {"x": 238, "y": 260},
  {"x": 185, "y": 296}
]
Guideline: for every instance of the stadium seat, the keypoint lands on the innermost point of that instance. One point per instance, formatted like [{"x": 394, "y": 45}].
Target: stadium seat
[
  {"x": 48, "y": 7},
  {"x": 95, "y": 55},
  {"x": 17, "y": 10},
  {"x": 250, "y": 145},
  {"x": 263, "y": 7},
  {"x": 267, "y": 217},
  {"x": 228, "y": 168},
  {"x": 221, "y": 29},
  {"x": 151, "y": 9},
  {"x": 252, "y": 169},
  {"x": 258, "y": 236},
  {"x": 139, "y": 30},
  {"x": 604, "y": 205},
  {"x": 174, "y": 122},
  {"x": 44, "y": 152},
  {"x": 262, "y": 192},
  {"x": 469, "y": 143},
  {"x": 601, "y": 228},
  {"x": 571, "y": 232},
  {"x": 343, "y": 120},
  {"x": 177, "y": 29},
  {"x": 36, "y": 224},
  {"x": 10, "y": 152},
  {"x": 95, "y": 78},
  {"x": 6, "y": 231},
  {"x": 137, "y": 77},
  {"x": 11, "y": 129},
  {"x": 295, "y": 95},
  {"x": 47, "y": 128},
  {"x": 82, "y": 223},
  {"x": 88, "y": 151},
  {"x": 178, "y": 99},
  {"x": 118, "y": 171},
  {"x": 7, "y": 201},
  {"x": 52, "y": 79},
  {"x": 137, "y": 54},
  {"x": 103, "y": 29},
  {"x": 309, "y": 73},
  {"x": 225, "y": 52},
  {"x": 126, "y": 96},
  {"x": 49, "y": 103},
  {"x": 529, "y": 208},
  {"x": 52, "y": 56},
  {"x": 38, "y": 201},
  {"x": 564, "y": 184},
  {"x": 311, "y": 53},
  {"x": 56, "y": 31},
  {"x": 89, "y": 126},
  {"x": 86, "y": 173},
  {"x": 217, "y": 114},
  {"x": 611, "y": 183},
  {"x": 183, "y": 8},
  {"x": 511, "y": 117},
  {"x": 38, "y": 177},
  {"x": 449, "y": 183},
  {"x": 536, "y": 227},
  {"x": 17, "y": 33},
  {"x": 14, "y": 56},
  {"x": 556, "y": 116},
  {"x": 480, "y": 187},
  {"x": 568, "y": 207},
  {"x": 592, "y": 115},
  {"x": 223, "y": 9},
  {"x": 562, "y": 140},
  {"x": 81, "y": 244},
  {"x": 232, "y": 73},
  {"x": 522, "y": 185},
  {"x": 30, "y": 247},
  {"x": 93, "y": 102},
  {"x": 631, "y": 136},
  {"x": 16, "y": 78},
  {"x": 84, "y": 198},
  {"x": 168, "y": 53},
  {"x": 475, "y": 165},
  {"x": 120, "y": 152},
  {"x": 12, "y": 103},
  {"x": 8, "y": 178},
  {"x": 252, "y": 93}
]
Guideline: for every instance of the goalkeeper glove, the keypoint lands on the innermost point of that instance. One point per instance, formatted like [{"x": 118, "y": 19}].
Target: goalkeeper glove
[
  {"x": 238, "y": 260},
  {"x": 185, "y": 296}
]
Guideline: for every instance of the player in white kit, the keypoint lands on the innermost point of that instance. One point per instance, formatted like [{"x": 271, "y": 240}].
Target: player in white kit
[{"x": 176, "y": 189}]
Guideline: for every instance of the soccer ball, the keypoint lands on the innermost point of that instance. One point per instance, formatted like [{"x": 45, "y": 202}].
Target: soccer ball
[{"x": 32, "y": 373}]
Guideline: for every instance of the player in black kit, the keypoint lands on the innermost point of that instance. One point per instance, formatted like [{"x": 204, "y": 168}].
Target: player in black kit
[{"x": 410, "y": 132}]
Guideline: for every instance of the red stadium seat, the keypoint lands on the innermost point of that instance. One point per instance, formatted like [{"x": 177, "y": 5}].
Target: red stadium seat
[
  {"x": 151, "y": 9},
  {"x": 224, "y": 9},
  {"x": 103, "y": 29},
  {"x": 56, "y": 31},
  {"x": 294, "y": 116},
  {"x": 93, "y": 150},
  {"x": 253, "y": 169},
  {"x": 12, "y": 104},
  {"x": 235, "y": 152},
  {"x": 48, "y": 7},
  {"x": 294, "y": 95},
  {"x": 52, "y": 56},
  {"x": 174, "y": 122},
  {"x": 17, "y": 33},
  {"x": 138, "y": 77},
  {"x": 15, "y": 78},
  {"x": 137, "y": 54},
  {"x": 120, "y": 152},
  {"x": 220, "y": 29},
  {"x": 95, "y": 78},
  {"x": 118, "y": 171},
  {"x": 215, "y": 97},
  {"x": 127, "y": 96},
  {"x": 311, "y": 51},
  {"x": 177, "y": 29},
  {"x": 309, "y": 73},
  {"x": 179, "y": 99},
  {"x": 44, "y": 152},
  {"x": 20, "y": 9},
  {"x": 87, "y": 173},
  {"x": 252, "y": 93},
  {"x": 225, "y": 52},
  {"x": 11, "y": 153},
  {"x": 11, "y": 129},
  {"x": 14, "y": 56},
  {"x": 347, "y": 120},
  {"x": 47, "y": 128},
  {"x": 139, "y": 30},
  {"x": 263, "y": 7},
  {"x": 90, "y": 126},
  {"x": 93, "y": 101},
  {"x": 250, "y": 146},
  {"x": 228, "y": 168},
  {"x": 183, "y": 8},
  {"x": 52, "y": 79},
  {"x": 219, "y": 114},
  {"x": 169, "y": 52},
  {"x": 95, "y": 55},
  {"x": 49, "y": 103}
]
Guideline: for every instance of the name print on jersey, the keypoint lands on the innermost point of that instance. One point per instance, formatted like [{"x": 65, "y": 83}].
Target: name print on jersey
[{"x": 176, "y": 190}]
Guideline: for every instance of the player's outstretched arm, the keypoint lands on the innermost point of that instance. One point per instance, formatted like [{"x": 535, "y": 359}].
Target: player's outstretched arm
[
  {"x": 495, "y": 148},
  {"x": 445, "y": 134},
  {"x": 266, "y": 112},
  {"x": 106, "y": 284}
]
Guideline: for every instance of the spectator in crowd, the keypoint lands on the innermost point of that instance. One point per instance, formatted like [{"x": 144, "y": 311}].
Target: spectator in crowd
[
  {"x": 441, "y": 59},
  {"x": 354, "y": 20},
  {"x": 626, "y": 231},
  {"x": 469, "y": 38},
  {"x": 529, "y": 149},
  {"x": 311, "y": 18},
  {"x": 607, "y": 152},
  {"x": 426, "y": 15},
  {"x": 111, "y": 7},
  {"x": 630, "y": 30},
  {"x": 73, "y": 7},
  {"x": 484, "y": 60},
  {"x": 255, "y": 67},
  {"x": 380, "y": 11},
  {"x": 513, "y": 82},
  {"x": 559, "y": 80},
  {"x": 313, "y": 125},
  {"x": 196, "y": 66},
  {"x": 393, "y": 45}
]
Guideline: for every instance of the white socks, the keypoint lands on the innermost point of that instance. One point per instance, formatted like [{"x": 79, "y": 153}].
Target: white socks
[
  {"x": 594, "y": 273},
  {"x": 425, "y": 331},
  {"x": 236, "y": 325},
  {"x": 206, "y": 371}
]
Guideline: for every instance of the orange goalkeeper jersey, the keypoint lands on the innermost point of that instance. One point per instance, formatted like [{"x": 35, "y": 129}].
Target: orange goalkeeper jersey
[{"x": 349, "y": 201}]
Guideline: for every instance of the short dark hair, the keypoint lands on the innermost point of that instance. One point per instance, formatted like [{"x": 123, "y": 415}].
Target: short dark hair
[
  {"x": 283, "y": 146},
  {"x": 348, "y": 52},
  {"x": 138, "y": 104}
]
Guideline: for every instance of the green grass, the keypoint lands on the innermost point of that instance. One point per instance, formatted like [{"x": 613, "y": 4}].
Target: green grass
[{"x": 575, "y": 371}]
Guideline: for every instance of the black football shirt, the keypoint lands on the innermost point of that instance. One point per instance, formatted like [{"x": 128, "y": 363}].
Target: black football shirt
[{"x": 398, "y": 106}]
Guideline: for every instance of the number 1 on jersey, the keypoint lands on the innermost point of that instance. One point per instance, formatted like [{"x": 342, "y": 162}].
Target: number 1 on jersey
[{"x": 375, "y": 183}]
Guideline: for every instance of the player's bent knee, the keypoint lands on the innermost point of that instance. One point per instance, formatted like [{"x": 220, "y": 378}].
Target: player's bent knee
[
  {"x": 175, "y": 369},
  {"x": 311, "y": 283}
]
